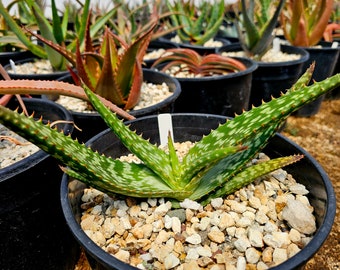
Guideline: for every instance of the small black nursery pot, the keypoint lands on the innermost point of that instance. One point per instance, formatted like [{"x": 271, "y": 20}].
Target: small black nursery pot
[{"x": 33, "y": 231}]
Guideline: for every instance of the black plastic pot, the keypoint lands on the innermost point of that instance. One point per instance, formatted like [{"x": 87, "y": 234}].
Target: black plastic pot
[
  {"x": 14, "y": 56},
  {"x": 92, "y": 123},
  {"x": 270, "y": 79},
  {"x": 33, "y": 232},
  {"x": 192, "y": 127},
  {"x": 223, "y": 95},
  {"x": 326, "y": 59},
  {"x": 49, "y": 76}
]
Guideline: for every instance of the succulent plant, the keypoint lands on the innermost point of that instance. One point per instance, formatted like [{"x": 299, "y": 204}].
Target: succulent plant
[
  {"x": 197, "y": 23},
  {"x": 188, "y": 60},
  {"x": 215, "y": 166},
  {"x": 111, "y": 71},
  {"x": 55, "y": 30},
  {"x": 255, "y": 25},
  {"x": 304, "y": 21}
]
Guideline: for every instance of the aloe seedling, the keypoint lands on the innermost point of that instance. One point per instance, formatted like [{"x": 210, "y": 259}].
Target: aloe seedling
[
  {"x": 304, "y": 21},
  {"x": 188, "y": 60},
  {"x": 215, "y": 166},
  {"x": 255, "y": 25},
  {"x": 196, "y": 24}
]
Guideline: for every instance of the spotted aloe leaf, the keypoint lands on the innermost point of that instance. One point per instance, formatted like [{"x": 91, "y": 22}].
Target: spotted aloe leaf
[{"x": 217, "y": 164}]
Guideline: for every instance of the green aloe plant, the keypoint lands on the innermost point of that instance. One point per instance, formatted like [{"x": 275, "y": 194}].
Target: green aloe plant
[
  {"x": 215, "y": 166},
  {"x": 255, "y": 24},
  {"x": 188, "y": 60},
  {"x": 304, "y": 21},
  {"x": 196, "y": 24},
  {"x": 55, "y": 30}
]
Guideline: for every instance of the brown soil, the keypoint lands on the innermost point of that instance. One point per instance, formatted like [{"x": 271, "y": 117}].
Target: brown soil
[{"x": 321, "y": 131}]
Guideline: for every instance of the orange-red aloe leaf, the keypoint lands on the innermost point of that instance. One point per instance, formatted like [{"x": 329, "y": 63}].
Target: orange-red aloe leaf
[
  {"x": 319, "y": 28},
  {"x": 129, "y": 58},
  {"x": 90, "y": 63},
  {"x": 106, "y": 85},
  {"x": 135, "y": 92}
]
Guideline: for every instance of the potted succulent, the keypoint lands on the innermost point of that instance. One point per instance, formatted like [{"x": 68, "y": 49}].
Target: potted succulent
[
  {"x": 279, "y": 66},
  {"x": 225, "y": 168},
  {"x": 56, "y": 30},
  {"x": 303, "y": 24},
  {"x": 211, "y": 83},
  {"x": 198, "y": 23}
]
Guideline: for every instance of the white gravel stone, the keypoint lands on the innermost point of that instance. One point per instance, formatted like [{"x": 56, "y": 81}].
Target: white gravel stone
[
  {"x": 241, "y": 263},
  {"x": 252, "y": 255},
  {"x": 171, "y": 261},
  {"x": 189, "y": 204},
  {"x": 176, "y": 225},
  {"x": 216, "y": 203},
  {"x": 194, "y": 239},
  {"x": 236, "y": 206},
  {"x": 255, "y": 237},
  {"x": 242, "y": 244},
  {"x": 299, "y": 217},
  {"x": 279, "y": 255}
]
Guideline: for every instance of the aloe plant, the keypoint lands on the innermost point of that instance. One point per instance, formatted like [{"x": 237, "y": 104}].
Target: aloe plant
[
  {"x": 188, "y": 60},
  {"x": 197, "y": 23},
  {"x": 304, "y": 21},
  {"x": 215, "y": 166},
  {"x": 55, "y": 30},
  {"x": 255, "y": 25},
  {"x": 111, "y": 71}
]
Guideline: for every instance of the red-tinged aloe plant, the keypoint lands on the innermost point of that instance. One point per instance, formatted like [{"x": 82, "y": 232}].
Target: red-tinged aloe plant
[
  {"x": 188, "y": 60},
  {"x": 304, "y": 21},
  {"x": 115, "y": 73}
]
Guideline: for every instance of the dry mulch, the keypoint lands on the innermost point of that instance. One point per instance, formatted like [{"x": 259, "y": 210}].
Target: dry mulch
[{"x": 322, "y": 132}]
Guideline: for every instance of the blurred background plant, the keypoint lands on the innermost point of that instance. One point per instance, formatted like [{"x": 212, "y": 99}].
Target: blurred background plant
[
  {"x": 255, "y": 22},
  {"x": 304, "y": 21},
  {"x": 197, "y": 21},
  {"x": 32, "y": 17}
]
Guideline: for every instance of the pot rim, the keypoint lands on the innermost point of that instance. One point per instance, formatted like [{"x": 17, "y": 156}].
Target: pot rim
[
  {"x": 284, "y": 47},
  {"x": 35, "y": 158}
]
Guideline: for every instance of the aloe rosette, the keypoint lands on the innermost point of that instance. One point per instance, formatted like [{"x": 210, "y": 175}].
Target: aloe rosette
[{"x": 215, "y": 166}]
